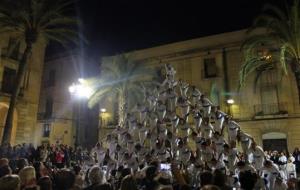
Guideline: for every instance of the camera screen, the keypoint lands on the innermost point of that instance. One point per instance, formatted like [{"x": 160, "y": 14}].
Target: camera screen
[{"x": 165, "y": 167}]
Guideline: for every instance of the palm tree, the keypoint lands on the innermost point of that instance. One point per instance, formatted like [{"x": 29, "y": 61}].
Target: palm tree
[
  {"x": 122, "y": 79},
  {"x": 281, "y": 35},
  {"x": 30, "y": 22}
]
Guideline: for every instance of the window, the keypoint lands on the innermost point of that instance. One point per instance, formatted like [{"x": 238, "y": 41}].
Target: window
[
  {"x": 49, "y": 108},
  {"x": 51, "y": 78},
  {"x": 210, "y": 68},
  {"x": 46, "y": 130},
  {"x": 8, "y": 80},
  {"x": 13, "y": 49}
]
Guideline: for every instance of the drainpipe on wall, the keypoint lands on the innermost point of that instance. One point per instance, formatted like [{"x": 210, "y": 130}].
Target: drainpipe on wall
[{"x": 226, "y": 81}]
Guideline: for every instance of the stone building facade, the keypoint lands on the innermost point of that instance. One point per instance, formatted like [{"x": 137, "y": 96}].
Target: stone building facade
[
  {"x": 25, "y": 115},
  {"x": 270, "y": 112},
  {"x": 60, "y": 113}
]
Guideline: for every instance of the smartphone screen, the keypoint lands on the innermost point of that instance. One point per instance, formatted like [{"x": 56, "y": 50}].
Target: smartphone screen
[{"x": 165, "y": 167}]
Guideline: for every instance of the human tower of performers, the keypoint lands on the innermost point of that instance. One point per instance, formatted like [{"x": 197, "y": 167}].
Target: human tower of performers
[{"x": 178, "y": 124}]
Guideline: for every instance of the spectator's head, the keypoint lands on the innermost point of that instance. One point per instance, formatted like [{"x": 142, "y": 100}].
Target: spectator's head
[
  {"x": 125, "y": 172},
  {"x": 3, "y": 162},
  {"x": 268, "y": 163},
  {"x": 96, "y": 175},
  {"x": 241, "y": 164},
  {"x": 151, "y": 172},
  {"x": 210, "y": 187},
  {"x": 206, "y": 178},
  {"x": 10, "y": 182},
  {"x": 45, "y": 183},
  {"x": 64, "y": 179},
  {"x": 22, "y": 163},
  {"x": 5, "y": 170},
  {"x": 128, "y": 183},
  {"x": 77, "y": 169},
  {"x": 219, "y": 178},
  {"x": 40, "y": 169},
  {"x": 247, "y": 180},
  {"x": 27, "y": 176}
]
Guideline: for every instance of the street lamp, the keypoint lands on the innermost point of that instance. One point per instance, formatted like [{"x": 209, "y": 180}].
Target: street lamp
[
  {"x": 230, "y": 102},
  {"x": 80, "y": 91}
]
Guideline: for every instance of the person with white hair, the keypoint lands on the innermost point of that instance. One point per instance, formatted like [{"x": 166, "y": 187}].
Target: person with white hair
[
  {"x": 290, "y": 169},
  {"x": 10, "y": 182},
  {"x": 28, "y": 177},
  {"x": 96, "y": 177}
]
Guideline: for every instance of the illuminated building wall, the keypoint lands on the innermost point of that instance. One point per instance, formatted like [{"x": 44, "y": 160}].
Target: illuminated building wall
[
  {"x": 270, "y": 113},
  {"x": 25, "y": 116},
  {"x": 59, "y": 112}
]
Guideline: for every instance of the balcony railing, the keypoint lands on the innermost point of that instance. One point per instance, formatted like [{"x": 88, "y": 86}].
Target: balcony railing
[{"x": 262, "y": 110}]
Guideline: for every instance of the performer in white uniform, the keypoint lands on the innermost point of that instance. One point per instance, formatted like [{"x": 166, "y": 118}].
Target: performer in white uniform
[
  {"x": 233, "y": 128},
  {"x": 273, "y": 171},
  {"x": 184, "y": 106},
  {"x": 196, "y": 94},
  {"x": 206, "y": 129},
  {"x": 206, "y": 105},
  {"x": 219, "y": 142},
  {"x": 100, "y": 152},
  {"x": 161, "y": 110},
  {"x": 258, "y": 156},
  {"x": 183, "y": 87},
  {"x": 231, "y": 153},
  {"x": 171, "y": 96},
  {"x": 219, "y": 120},
  {"x": 246, "y": 141}
]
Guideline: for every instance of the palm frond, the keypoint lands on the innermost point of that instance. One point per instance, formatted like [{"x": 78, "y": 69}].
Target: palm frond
[{"x": 282, "y": 32}]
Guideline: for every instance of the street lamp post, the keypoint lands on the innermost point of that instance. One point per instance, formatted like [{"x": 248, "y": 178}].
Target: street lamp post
[
  {"x": 79, "y": 91},
  {"x": 229, "y": 102}
]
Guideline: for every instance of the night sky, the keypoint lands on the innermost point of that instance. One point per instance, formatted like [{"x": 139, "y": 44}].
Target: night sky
[{"x": 117, "y": 26}]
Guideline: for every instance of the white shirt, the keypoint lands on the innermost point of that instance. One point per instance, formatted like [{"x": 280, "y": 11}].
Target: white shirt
[
  {"x": 233, "y": 128},
  {"x": 207, "y": 130}
]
